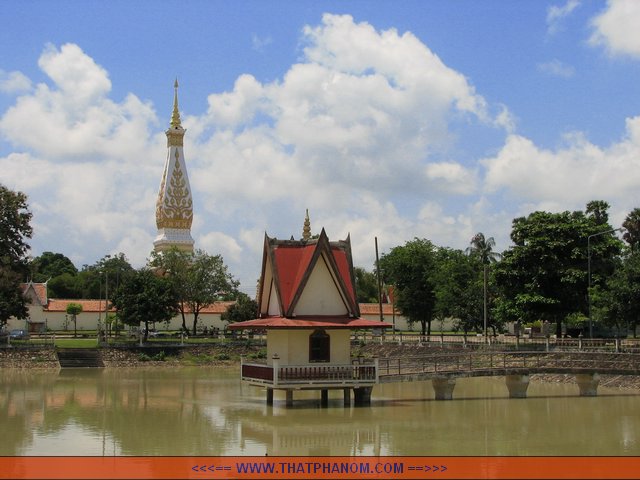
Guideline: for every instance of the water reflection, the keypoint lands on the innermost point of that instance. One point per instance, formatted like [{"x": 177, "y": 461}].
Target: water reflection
[{"x": 202, "y": 411}]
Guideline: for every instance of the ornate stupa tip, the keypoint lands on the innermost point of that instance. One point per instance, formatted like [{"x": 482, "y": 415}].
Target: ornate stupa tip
[
  {"x": 175, "y": 116},
  {"x": 306, "y": 229}
]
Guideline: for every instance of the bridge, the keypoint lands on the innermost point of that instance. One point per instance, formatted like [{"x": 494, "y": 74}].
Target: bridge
[{"x": 516, "y": 366}]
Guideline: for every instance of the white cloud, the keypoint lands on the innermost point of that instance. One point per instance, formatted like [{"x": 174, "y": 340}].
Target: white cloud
[
  {"x": 14, "y": 82},
  {"x": 571, "y": 175},
  {"x": 259, "y": 43},
  {"x": 452, "y": 177},
  {"x": 556, "y": 68},
  {"x": 616, "y": 28},
  {"x": 556, "y": 14}
]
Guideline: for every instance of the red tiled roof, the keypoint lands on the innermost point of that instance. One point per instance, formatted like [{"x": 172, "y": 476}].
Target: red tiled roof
[
  {"x": 374, "y": 309},
  {"x": 292, "y": 262},
  {"x": 308, "y": 322},
  {"x": 88, "y": 305},
  {"x": 40, "y": 290}
]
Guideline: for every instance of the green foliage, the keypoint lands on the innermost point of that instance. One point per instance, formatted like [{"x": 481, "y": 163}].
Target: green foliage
[
  {"x": 158, "y": 357},
  {"x": 15, "y": 228},
  {"x": 145, "y": 298},
  {"x": 366, "y": 285},
  {"x": 50, "y": 265},
  {"x": 74, "y": 309},
  {"x": 632, "y": 226},
  {"x": 245, "y": 308},
  {"x": 410, "y": 269},
  {"x": 544, "y": 275},
  {"x": 198, "y": 278}
]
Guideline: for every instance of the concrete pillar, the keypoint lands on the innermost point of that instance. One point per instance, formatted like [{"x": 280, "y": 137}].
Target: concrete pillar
[
  {"x": 588, "y": 384},
  {"x": 289, "y": 398},
  {"x": 347, "y": 397},
  {"x": 362, "y": 396},
  {"x": 517, "y": 385},
  {"x": 443, "y": 386},
  {"x": 324, "y": 397},
  {"x": 269, "y": 396}
]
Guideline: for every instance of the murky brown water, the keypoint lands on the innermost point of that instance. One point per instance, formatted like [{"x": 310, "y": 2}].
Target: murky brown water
[{"x": 206, "y": 411}]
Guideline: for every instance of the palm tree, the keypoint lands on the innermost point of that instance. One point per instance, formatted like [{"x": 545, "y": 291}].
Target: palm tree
[{"x": 483, "y": 248}]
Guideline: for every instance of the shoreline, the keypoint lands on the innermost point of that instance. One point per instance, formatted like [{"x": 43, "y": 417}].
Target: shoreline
[{"x": 229, "y": 355}]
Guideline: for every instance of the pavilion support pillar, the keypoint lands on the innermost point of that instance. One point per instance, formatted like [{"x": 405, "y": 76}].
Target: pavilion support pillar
[
  {"x": 347, "y": 397},
  {"x": 517, "y": 385},
  {"x": 362, "y": 396},
  {"x": 588, "y": 384},
  {"x": 324, "y": 397},
  {"x": 443, "y": 387},
  {"x": 289, "y": 396},
  {"x": 269, "y": 396}
]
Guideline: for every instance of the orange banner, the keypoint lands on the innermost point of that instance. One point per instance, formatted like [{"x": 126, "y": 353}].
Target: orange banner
[{"x": 295, "y": 468}]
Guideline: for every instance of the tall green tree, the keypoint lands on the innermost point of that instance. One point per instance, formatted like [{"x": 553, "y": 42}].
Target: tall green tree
[
  {"x": 15, "y": 229},
  {"x": 199, "y": 279},
  {"x": 617, "y": 304},
  {"x": 245, "y": 308},
  {"x": 632, "y": 226},
  {"x": 543, "y": 276},
  {"x": 146, "y": 298},
  {"x": 458, "y": 289},
  {"x": 366, "y": 286},
  {"x": 410, "y": 268},
  {"x": 50, "y": 265},
  {"x": 482, "y": 248}
]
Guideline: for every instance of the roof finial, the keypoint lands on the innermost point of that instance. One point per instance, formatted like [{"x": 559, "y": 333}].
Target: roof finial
[
  {"x": 306, "y": 229},
  {"x": 175, "y": 116}
]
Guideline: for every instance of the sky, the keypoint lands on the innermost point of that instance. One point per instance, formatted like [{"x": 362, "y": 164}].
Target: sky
[{"x": 387, "y": 119}]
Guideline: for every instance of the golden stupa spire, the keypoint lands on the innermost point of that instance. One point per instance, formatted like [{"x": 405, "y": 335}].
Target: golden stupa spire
[
  {"x": 306, "y": 229},
  {"x": 175, "y": 116}
]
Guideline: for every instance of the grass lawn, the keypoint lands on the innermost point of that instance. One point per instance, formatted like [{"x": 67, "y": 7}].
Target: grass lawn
[{"x": 76, "y": 342}]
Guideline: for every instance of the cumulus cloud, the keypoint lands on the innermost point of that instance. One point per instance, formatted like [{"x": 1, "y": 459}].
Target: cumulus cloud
[
  {"x": 14, "y": 82},
  {"x": 571, "y": 175},
  {"x": 616, "y": 28},
  {"x": 359, "y": 131},
  {"x": 556, "y": 14}
]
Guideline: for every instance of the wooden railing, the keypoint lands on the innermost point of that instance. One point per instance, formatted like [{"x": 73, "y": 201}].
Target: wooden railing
[{"x": 356, "y": 373}]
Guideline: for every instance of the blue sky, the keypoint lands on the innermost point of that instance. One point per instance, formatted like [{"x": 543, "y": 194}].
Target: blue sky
[{"x": 395, "y": 119}]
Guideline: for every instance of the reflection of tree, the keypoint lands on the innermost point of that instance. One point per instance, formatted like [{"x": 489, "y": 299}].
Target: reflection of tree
[{"x": 145, "y": 412}]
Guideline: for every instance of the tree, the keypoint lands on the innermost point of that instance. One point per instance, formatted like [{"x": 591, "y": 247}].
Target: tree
[
  {"x": 144, "y": 297},
  {"x": 544, "y": 275},
  {"x": 366, "y": 286},
  {"x": 15, "y": 228},
  {"x": 74, "y": 309},
  {"x": 50, "y": 265},
  {"x": 458, "y": 289},
  {"x": 199, "y": 279},
  {"x": 245, "y": 308},
  {"x": 410, "y": 269},
  {"x": 632, "y": 226},
  {"x": 482, "y": 248},
  {"x": 617, "y": 304}
]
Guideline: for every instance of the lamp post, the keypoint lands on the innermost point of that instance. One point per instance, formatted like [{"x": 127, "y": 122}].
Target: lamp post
[{"x": 589, "y": 273}]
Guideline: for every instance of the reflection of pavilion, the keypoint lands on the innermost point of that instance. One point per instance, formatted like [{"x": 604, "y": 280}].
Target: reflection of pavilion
[
  {"x": 349, "y": 432},
  {"x": 308, "y": 306}
]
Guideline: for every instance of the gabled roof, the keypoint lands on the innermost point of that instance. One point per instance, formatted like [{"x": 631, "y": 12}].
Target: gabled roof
[
  {"x": 308, "y": 322},
  {"x": 289, "y": 265},
  {"x": 35, "y": 293}
]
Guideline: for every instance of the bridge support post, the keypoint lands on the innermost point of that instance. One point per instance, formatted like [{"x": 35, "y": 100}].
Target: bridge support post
[
  {"x": 324, "y": 398},
  {"x": 588, "y": 384},
  {"x": 347, "y": 397},
  {"x": 443, "y": 387},
  {"x": 289, "y": 401},
  {"x": 269, "y": 396},
  {"x": 362, "y": 396},
  {"x": 517, "y": 385}
]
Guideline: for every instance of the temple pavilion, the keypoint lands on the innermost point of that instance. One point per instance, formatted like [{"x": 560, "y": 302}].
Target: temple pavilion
[{"x": 308, "y": 308}]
